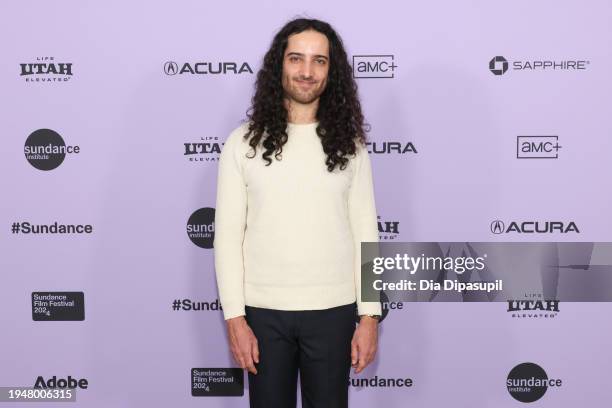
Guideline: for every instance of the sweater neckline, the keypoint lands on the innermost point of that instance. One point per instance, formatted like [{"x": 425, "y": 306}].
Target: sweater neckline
[{"x": 303, "y": 125}]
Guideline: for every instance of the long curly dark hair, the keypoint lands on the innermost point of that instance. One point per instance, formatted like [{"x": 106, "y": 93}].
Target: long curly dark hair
[{"x": 341, "y": 122}]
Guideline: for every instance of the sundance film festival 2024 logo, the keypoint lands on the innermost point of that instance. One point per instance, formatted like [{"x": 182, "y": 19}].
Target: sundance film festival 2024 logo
[
  {"x": 217, "y": 382},
  {"x": 499, "y": 65},
  {"x": 45, "y": 70},
  {"x": 173, "y": 68},
  {"x": 58, "y": 306},
  {"x": 45, "y": 149}
]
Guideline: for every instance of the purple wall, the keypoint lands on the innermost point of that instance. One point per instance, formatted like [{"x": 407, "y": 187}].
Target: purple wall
[{"x": 132, "y": 182}]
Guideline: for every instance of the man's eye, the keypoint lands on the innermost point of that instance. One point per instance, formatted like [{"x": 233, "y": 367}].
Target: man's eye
[{"x": 321, "y": 61}]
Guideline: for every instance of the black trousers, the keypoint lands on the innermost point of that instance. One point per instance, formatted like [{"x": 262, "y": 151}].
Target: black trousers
[{"x": 315, "y": 343}]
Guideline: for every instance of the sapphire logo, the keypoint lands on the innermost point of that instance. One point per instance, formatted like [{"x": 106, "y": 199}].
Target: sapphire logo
[{"x": 498, "y": 65}]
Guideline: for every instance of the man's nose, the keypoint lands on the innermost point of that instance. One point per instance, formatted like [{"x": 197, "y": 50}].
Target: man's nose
[{"x": 306, "y": 70}]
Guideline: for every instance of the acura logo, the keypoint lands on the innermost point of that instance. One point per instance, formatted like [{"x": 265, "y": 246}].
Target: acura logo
[
  {"x": 534, "y": 227},
  {"x": 497, "y": 227},
  {"x": 170, "y": 68}
]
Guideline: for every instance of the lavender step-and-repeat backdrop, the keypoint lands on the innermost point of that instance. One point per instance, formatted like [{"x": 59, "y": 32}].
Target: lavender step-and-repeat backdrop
[{"x": 483, "y": 115}]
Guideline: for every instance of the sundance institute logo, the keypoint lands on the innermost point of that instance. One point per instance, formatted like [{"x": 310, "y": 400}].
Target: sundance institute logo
[
  {"x": 528, "y": 382},
  {"x": 45, "y": 149},
  {"x": 201, "y": 227}
]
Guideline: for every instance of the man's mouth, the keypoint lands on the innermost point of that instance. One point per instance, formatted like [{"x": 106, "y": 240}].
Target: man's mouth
[{"x": 304, "y": 83}]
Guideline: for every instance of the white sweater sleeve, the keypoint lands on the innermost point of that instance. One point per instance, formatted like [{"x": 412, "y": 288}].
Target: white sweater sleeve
[
  {"x": 363, "y": 219},
  {"x": 230, "y": 224}
]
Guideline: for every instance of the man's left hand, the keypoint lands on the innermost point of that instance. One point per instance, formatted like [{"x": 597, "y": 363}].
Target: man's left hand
[{"x": 364, "y": 343}]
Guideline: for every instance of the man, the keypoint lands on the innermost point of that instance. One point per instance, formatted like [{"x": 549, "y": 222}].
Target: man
[{"x": 288, "y": 228}]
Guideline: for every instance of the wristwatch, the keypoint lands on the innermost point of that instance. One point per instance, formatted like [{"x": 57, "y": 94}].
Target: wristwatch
[{"x": 374, "y": 316}]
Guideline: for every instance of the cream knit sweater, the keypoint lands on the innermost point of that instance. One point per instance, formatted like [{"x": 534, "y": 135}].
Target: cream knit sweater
[{"x": 288, "y": 235}]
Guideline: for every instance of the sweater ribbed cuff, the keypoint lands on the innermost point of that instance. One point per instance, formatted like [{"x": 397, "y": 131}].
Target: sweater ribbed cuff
[
  {"x": 233, "y": 310},
  {"x": 374, "y": 308}
]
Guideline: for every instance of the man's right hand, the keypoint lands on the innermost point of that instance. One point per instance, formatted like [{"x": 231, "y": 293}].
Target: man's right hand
[{"x": 243, "y": 343}]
